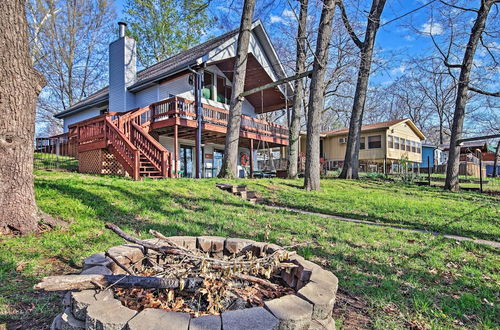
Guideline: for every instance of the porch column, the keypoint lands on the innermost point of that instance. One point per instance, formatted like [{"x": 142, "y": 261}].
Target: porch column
[
  {"x": 176, "y": 151},
  {"x": 251, "y": 158}
]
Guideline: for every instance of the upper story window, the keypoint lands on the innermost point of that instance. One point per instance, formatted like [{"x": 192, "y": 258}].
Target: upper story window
[
  {"x": 375, "y": 142},
  {"x": 390, "y": 141},
  {"x": 419, "y": 148},
  {"x": 208, "y": 83},
  {"x": 229, "y": 91},
  {"x": 396, "y": 142},
  {"x": 362, "y": 143},
  {"x": 408, "y": 145},
  {"x": 402, "y": 143},
  {"x": 413, "y": 146}
]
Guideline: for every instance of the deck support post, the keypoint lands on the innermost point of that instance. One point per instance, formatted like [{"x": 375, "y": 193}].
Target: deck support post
[
  {"x": 199, "y": 120},
  {"x": 251, "y": 158},
  {"x": 176, "y": 151}
]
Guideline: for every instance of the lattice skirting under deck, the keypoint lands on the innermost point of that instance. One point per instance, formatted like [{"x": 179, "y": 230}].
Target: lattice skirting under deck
[{"x": 100, "y": 161}]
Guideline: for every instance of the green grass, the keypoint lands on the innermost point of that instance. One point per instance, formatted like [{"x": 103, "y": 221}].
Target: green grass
[
  {"x": 43, "y": 161},
  {"x": 465, "y": 213},
  {"x": 402, "y": 278}
]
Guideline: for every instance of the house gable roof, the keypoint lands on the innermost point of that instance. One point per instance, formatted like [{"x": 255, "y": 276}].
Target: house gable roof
[
  {"x": 177, "y": 63},
  {"x": 378, "y": 126}
]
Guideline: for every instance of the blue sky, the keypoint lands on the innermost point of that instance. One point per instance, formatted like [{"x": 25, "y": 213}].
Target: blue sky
[{"x": 394, "y": 38}]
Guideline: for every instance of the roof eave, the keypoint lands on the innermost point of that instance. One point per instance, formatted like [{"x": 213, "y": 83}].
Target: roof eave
[
  {"x": 137, "y": 87},
  {"x": 99, "y": 101}
]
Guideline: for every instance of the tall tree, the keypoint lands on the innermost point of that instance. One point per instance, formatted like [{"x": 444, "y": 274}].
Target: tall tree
[
  {"x": 20, "y": 84},
  {"x": 230, "y": 160},
  {"x": 317, "y": 96},
  {"x": 166, "y": 27},
  {"x": 69, "y": 46},
  {"x": 300, "y": 65},
  {"x": 495, "y": 160},
  {"x": 351, "y": 160},
  {"x": 452, "y": 170}
]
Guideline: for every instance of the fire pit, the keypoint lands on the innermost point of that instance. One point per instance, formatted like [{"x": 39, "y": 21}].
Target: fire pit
[{"x": 205, "y": 282}]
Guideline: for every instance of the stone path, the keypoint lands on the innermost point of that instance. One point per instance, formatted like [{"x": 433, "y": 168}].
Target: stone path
[{"x": 371, "y": 223}]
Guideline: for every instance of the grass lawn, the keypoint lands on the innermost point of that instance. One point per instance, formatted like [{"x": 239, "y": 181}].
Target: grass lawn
[
  {"x": 387, "y": 278},
  {"x": 466, "y": 213}
]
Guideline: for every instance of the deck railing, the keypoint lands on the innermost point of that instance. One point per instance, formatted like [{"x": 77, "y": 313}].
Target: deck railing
[{"x": 183, "y": 108}]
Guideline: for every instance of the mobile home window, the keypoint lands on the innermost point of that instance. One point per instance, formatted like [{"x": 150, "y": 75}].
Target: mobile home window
[
  {"x": 374, "y": 141},
  {"x": 396, "y": 142},
  {"x": 390, "y": 141},
  {"x": 208, "y": 82},
  {"x": 413, "y": 146},
  {"x": 362, "y": 143}
]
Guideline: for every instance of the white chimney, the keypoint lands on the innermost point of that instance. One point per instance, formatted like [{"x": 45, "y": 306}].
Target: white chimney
[{"x": 122, "y": 71}]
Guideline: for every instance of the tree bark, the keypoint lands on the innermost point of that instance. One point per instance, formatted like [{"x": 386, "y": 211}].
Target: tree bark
[
  {"x": 20, "y": 84},
  {"x": 452, "y": 169},
  {"x": 351, "y": 158},
  {"x": 83, "y": 282},
  {"x": 495, "y": 161},
  {"x": 294, "y": 143},
  {"x": 230, "y": 160},
  {"x": 316, "y": 97}
]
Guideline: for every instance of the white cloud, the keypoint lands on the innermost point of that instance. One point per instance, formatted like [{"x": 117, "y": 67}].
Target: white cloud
[
  {"x": 399, "y": 69},
  {"x": 431, "y": 27},
  {"x": 276, "y": 19},
  {"x": 286, "y": 17}
]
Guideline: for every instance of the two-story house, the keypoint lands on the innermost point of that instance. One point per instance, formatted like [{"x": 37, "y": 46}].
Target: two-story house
[{"x": 152, "y": 122}]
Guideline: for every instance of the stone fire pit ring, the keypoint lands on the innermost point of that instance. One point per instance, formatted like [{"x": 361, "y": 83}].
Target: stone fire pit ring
[{"x": 309, "y": 308}]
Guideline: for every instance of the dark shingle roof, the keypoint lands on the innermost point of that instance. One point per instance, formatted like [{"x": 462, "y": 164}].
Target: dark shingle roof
[{"x": 156, "y": 72}]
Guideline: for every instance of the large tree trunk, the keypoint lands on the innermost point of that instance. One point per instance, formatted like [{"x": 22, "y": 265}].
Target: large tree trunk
[
  {"x": 230, "y": 161},
  {"x": 19, "y": 87},
  {"x": 294, "y": 143},
  {"x": 316, "y": 96},
  {"x": 495, "y": 161},
  {"x": 351, "y": 158},
  {"x": 452, "y": 168}
]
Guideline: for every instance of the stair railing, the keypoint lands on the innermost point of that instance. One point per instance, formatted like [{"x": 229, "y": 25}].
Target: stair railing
[
  {"x": 151, "y": 149},
  {"x": 122, "y": 148}
]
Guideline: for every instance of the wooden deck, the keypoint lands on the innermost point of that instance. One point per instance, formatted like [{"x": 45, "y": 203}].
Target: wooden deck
[{"x": 129, "y": 135}]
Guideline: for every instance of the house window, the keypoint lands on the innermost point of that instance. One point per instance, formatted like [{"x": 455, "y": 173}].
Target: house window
[
  {"x": 229, "y": 91},
  {"x": 208, "y": 83},
  {"x": 396, "y": 142},
  {"x": 402, "y": 143},
  {"x": 413, "y": 146},
  {"x": 390, "y": 141},
  {"x": 221, "y": 89},
  {"x": 419, "y": 149},
  {"x": 362, "y": 143},
  {"x": 408, "y": 145},
  {"x": 375, "y": 142}
]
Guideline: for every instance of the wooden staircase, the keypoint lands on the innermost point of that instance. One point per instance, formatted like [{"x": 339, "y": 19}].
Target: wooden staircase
[
  {"x": 126, "y": 137},
  {"x": 241, "y": 191}
]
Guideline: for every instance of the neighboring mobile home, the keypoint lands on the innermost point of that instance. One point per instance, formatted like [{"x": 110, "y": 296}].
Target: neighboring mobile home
[{"x": 146, "y": 123}]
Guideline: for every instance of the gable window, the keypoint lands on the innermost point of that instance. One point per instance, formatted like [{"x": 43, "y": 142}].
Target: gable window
[
  {"x": 208, "y": 83},
  {"x": 221, "y": 89},
  {"x": 375, "y": 142},
  {"x": 396, "y": 142},
  {"x": 362, "y": 143},
  {"x": 390, "y": 141}
]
